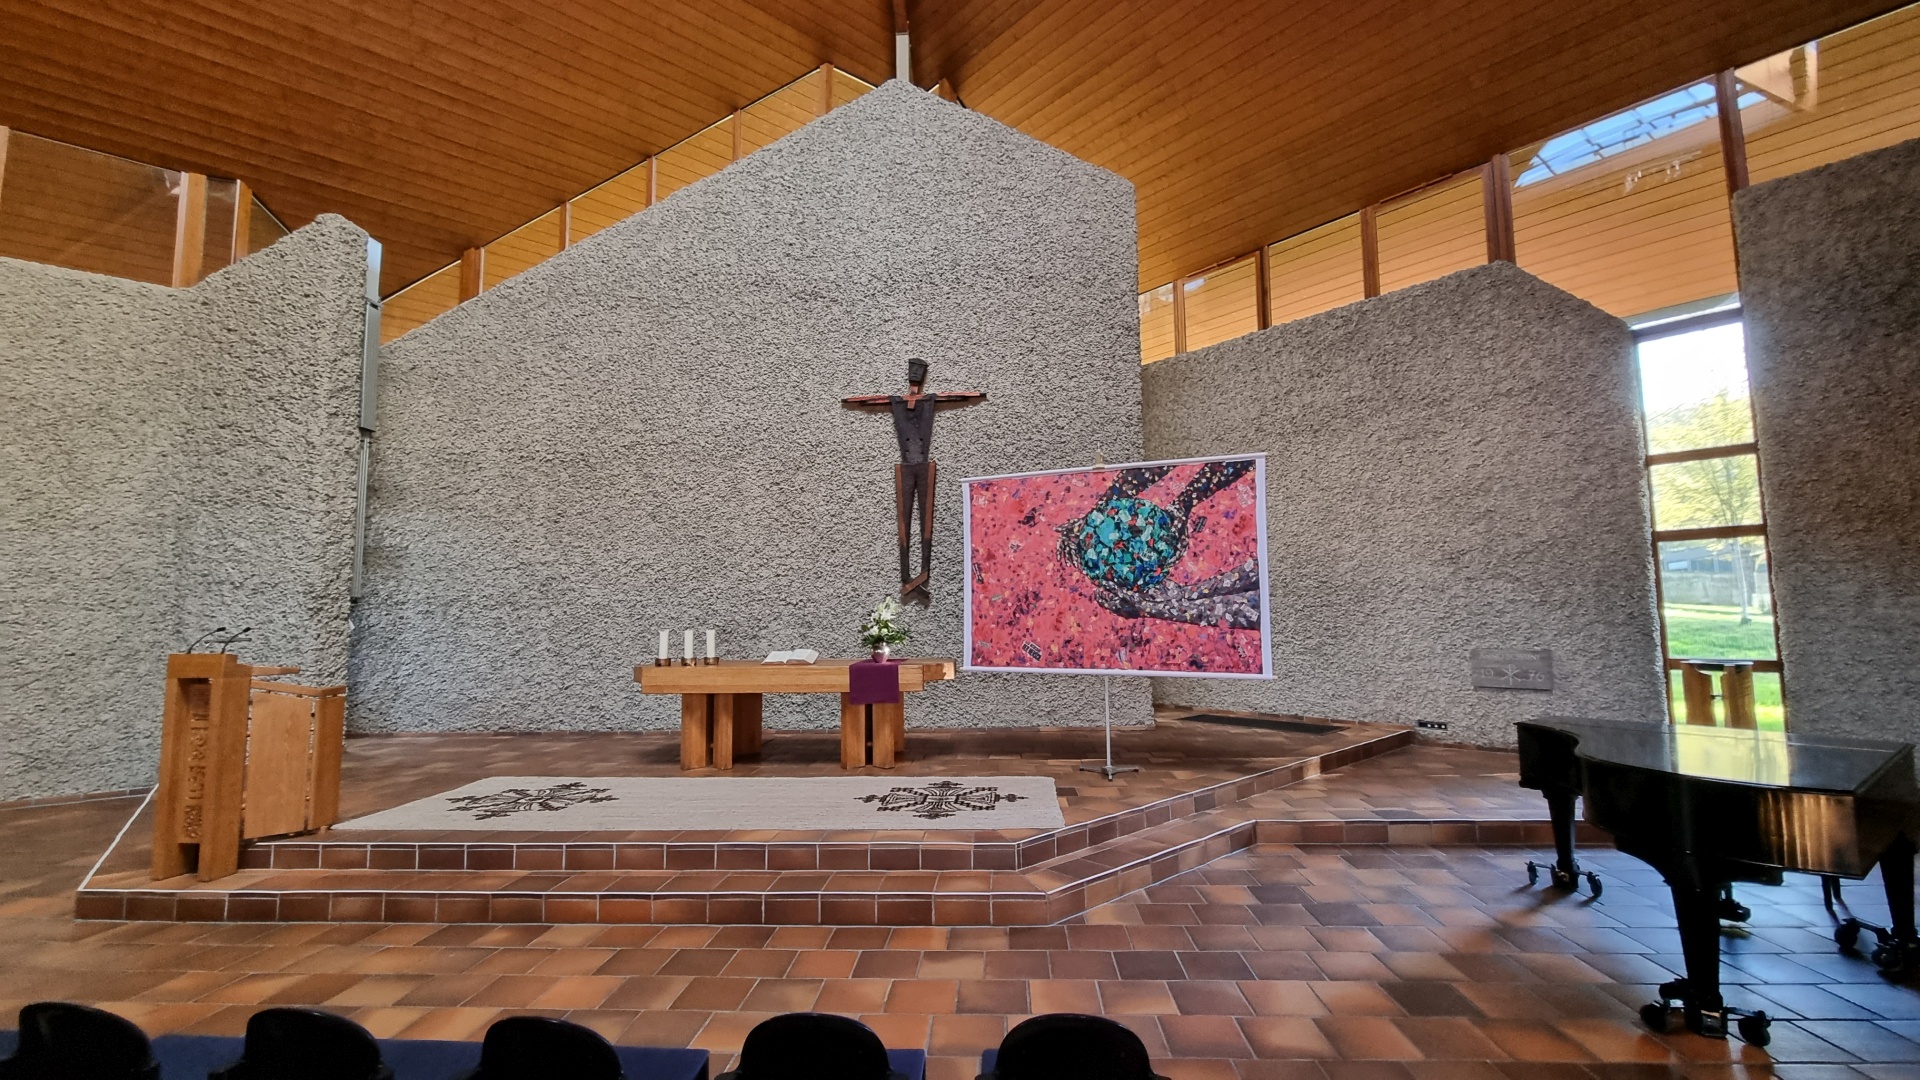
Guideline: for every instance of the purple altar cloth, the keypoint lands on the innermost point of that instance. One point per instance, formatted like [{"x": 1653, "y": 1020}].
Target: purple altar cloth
[{"x": 874, "y": 682}]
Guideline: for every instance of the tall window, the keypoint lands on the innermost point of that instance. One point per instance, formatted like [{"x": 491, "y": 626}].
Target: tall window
[{"x": 1709, "y": 522}]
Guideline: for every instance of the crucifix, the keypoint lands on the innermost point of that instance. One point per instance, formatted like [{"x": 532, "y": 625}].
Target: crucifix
[{"x": 913, "y": 477}]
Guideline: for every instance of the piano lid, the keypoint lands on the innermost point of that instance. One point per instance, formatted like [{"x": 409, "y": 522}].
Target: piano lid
[{"x": 1761, "y": 758}]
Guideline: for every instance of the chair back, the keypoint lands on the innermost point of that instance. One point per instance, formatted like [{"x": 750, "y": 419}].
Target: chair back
[
  {"x": 63, "y": 1041},
  {"x": 540, "y": 1048},
  {"x": 812, "y": 1046},
  {"x": 305, "y": 1044},
  {"x": 1070, "y": 1046}
]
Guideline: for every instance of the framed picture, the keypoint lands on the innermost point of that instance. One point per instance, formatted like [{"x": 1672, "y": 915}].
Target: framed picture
[{"x": 1153, "y": 568}]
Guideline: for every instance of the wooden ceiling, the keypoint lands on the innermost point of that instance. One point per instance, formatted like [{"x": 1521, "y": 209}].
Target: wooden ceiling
[{"x": 439, "y": 125}]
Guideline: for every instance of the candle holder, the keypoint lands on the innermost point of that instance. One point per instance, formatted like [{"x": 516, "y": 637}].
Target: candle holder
[
  {"x": 711, "y": 661},
  {"x": 661, "y": 661}
]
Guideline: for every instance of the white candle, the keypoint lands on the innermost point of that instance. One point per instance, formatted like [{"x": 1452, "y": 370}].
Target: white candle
[
  {"x": 663, "y": 644},
  {"x": 689, "y": 646},
  {"x": 709, "y": 644}
]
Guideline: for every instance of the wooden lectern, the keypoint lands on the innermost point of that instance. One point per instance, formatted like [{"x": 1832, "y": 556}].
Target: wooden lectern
[{"x": 241, "y": 757}]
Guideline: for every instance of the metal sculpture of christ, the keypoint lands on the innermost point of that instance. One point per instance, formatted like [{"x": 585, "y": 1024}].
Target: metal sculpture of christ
[{"x": 913, "y": 478}]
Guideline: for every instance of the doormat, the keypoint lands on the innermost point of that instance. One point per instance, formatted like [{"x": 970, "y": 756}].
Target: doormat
[
  {"x": 1266, "y": 723},
  {"x": 673, "y": 804}
]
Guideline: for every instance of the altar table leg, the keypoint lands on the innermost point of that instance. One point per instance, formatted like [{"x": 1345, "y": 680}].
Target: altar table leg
[
  {"x": 695, "y": 728},
  {"x": 888, "y": 723},
  {"x": 747, "y": 731},
  {"x": 853, "y": 733},
  {"x": 723, "y": 729}
]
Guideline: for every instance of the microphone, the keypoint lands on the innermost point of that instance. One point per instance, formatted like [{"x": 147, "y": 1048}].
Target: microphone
[
  {"x": 241, "y": 635},
  {"x": 205, "y": 636}
]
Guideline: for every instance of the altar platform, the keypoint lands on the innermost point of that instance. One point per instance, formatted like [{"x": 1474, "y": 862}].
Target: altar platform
[{"x": 1199, "y": 796}]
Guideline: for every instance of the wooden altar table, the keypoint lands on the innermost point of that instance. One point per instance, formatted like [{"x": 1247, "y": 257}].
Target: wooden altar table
[{"x": 720, "y": 706}]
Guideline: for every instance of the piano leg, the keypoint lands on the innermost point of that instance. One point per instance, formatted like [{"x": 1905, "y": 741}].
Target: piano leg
[
  {"x": 1696, "y": 909},
  {"x": 1565, "y": 872},
  {"x": 1897, "y": 946}
]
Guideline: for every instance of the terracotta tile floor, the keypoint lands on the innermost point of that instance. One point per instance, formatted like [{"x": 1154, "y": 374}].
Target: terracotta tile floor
[{"x": 1318, "y": 962}]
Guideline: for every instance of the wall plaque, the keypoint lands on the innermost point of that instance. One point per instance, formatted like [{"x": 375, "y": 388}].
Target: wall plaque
[{"x": 1513, "y": 669}]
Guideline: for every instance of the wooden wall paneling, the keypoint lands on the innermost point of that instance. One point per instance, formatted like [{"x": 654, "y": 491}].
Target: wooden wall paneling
[
  {"x": 1498, "y": 189},
  {"x": 473, "y": 268},
  {"x": 733, "y": 125},
  {"x": 566, "y": 225},
  {"x": 190, "y": 230},
  {"x": 1316, "y": 270},
  {"x": 826, "y": 90},
  {"x": 1863, "y": 93},
  {"x": 5, "y": 133},
  {"x": 1370, "y": 250},
  {"x": 1179, "y": 316},
  {"x": 1733, "y": 143},
  {"x": 242, "y": 219},
  {"x": 1263, "y": 283}
]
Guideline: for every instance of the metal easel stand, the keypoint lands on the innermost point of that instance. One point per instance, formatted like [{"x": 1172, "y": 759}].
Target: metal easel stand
[{"x": 1109, "y": 770}]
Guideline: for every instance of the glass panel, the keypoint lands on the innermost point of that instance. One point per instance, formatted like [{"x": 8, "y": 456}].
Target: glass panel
[
  {"x": 1433, "y": 232},
  {"x": 616, "y": 200},
  {"x": 847, "y": 88},
  {"x": 1630, "y": 212},
  {"x": 435, "y": 294},
  {"x": 1156, "y": 324},
  {"x": 1706, "y": 494},
  {"x": 262, "y": 227},
  {"x": 76, "y": 208},
  {"x": 1716, "y": 600},
  {"x": 694, "y": 158},
  {"x": 1223, "y": 304},
  {"x": 221, "y": 196},
  {"x": 1845, "y": 94},
  {"x": 780, "y": 113},
  {"x": 1316, "y": 271},
  {"x": 1693, "y": 387},
  {"x": 523, "y": 248}
]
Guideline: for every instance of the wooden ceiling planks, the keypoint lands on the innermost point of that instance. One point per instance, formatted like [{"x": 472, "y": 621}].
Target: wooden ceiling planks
[
  {"x": 1241, "y": 121},
  {"x": 436, "y": 124},
  {"x": 441, "y": 124}
]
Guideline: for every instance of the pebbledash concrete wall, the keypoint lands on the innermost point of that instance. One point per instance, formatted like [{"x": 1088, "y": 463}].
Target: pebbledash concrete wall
[
  {"x": 645, "y": 432},
  {"x": 173, "y": 460},
  {"x": 1830, "y": 283},
  {"x": 1451, "y": 466}
]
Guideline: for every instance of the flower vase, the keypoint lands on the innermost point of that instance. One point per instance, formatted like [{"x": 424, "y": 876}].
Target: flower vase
[{"x": 882, "y": 653}]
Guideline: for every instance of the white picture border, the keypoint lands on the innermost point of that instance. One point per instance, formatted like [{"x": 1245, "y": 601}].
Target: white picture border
[{"x": 966, "y": 555}]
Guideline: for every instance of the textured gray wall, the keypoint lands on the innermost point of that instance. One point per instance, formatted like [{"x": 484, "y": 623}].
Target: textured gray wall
[
  {"x": 1830, "y": 281},
  {"x": 646, "y": 431},
  {"x": 173, "y": 460},
  {"x": 1451, "y": 466}
]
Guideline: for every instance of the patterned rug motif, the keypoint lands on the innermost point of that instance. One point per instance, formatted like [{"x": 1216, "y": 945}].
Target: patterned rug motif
[{"x": 663, "y": 804}]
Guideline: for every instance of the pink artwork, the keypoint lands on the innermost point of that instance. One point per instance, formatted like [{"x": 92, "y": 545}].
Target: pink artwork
[{"x": 1155, "y": 568}]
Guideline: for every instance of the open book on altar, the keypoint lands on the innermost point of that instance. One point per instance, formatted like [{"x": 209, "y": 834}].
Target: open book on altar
[{"x": 792, "y": 656}]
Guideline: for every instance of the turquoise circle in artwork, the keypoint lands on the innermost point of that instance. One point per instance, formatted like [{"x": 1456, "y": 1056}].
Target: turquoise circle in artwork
[{"x": 1129, "y": 543}]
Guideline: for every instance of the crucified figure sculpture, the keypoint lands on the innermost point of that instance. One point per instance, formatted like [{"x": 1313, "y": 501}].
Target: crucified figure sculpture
[{"x": 913, "y": 477}]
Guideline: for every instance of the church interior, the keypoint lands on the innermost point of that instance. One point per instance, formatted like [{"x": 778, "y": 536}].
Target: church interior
[{"x": 1019, "y": 539}]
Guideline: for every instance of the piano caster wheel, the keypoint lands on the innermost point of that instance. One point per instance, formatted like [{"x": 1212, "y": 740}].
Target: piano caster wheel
[
  {"x": 1593, "y": 883},
  {"x": 1657, "y": 1016},
  {"x": 1756, "y": 1029},
  {"x": 1732, "y": 910},
  {"x": 1673, "y": 991},
  {"x": 1847, "y": 934},
  {"x": 1893, "y": 956},
  {"x": 1533, "y": 872}
]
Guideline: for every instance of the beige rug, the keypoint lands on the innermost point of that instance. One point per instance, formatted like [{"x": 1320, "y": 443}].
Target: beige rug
[{"x": 670, "y": 804}]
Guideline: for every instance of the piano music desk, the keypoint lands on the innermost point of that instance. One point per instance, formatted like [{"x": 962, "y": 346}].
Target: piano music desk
[{"x": 1709, "y": 806}]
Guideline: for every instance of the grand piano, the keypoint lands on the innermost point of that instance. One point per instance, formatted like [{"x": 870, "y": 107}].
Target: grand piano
[{"x": 1710, "y": 806}]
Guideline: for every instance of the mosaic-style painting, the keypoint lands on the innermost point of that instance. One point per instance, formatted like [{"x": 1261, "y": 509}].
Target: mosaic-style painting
[{"x": 1144, "y": 568}]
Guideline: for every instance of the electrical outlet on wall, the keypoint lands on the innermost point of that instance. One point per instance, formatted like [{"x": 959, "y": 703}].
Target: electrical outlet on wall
[{"x": 1433, "y": 725}]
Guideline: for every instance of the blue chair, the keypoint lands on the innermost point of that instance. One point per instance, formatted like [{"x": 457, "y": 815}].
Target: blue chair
[
  {"x": 1070, "y": 1046},
  {"x": 812, "y": 1046},
  {"x": 540, "y": 1048},
  {"x": 305, "y": 1044},
  {"x": 63, "y": 1041}
]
